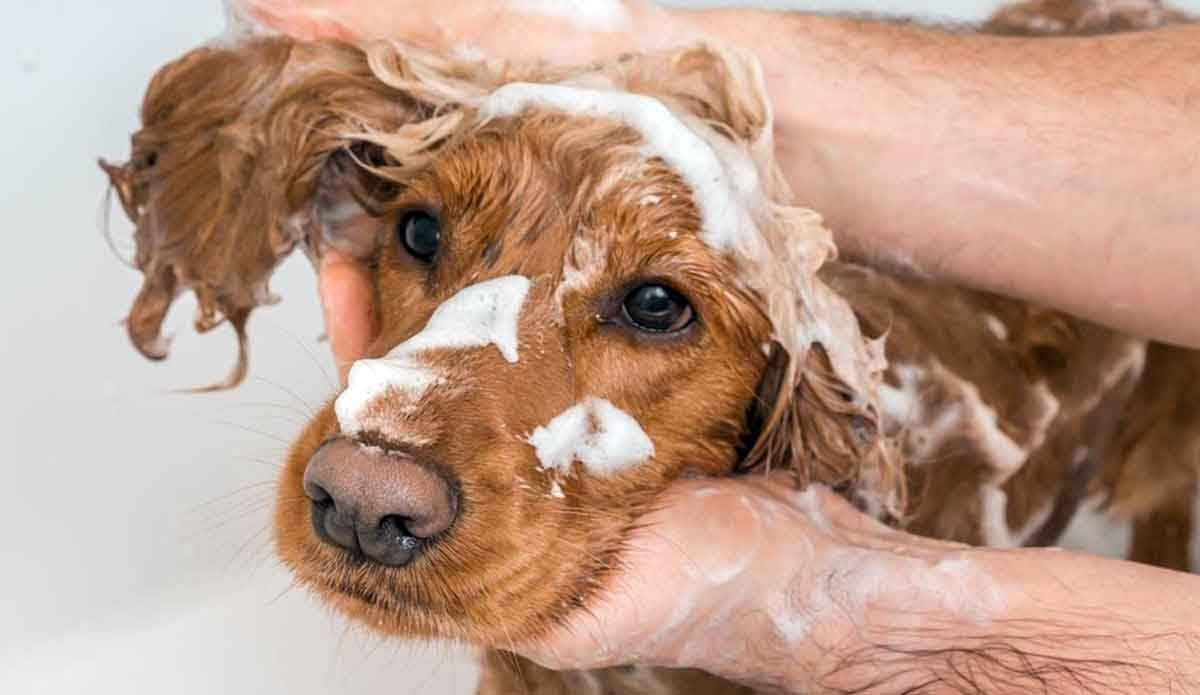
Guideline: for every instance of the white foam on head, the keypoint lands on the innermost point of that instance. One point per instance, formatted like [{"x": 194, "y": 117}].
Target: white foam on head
[
  {"x": 481, "y": 314},
  {"x": 487, "y": 313},
  {"x": 585, "y": 263},
  {"x": 600, "y": 15},
  {"x": 601, "y": 436},
  {"x": 716, "y": 191},
  {"x": 369, "y": 380}
]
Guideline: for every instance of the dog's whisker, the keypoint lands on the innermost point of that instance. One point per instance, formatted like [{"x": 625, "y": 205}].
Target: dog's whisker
[
  {"x": 289, "y": 407},
  {"x": 254, "y": 557},
  {"x": 252, "y": 430},
  {"x": 246, "y": 512},
  {"x": 329, "y": 381},
  {"x": 312, "y": 412},
  {"x": 236, "y": 512},
  {"x": 284, "y": 592},
  {"x": 250, "y": 487},
  {"x": 271, "y": 463}
]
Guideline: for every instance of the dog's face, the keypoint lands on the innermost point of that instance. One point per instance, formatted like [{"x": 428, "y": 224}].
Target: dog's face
[
  {"x": 558, "y": 343},
  {"x": 579, "y": 302}
]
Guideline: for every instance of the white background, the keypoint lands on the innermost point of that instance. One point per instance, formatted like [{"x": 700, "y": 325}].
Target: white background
[{"x": 136, "y": 554}]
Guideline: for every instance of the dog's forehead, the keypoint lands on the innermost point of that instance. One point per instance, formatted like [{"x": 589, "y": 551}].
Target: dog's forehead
[
  {"x": 721, "y": 182},
  {"x": 579, "y": 181}
]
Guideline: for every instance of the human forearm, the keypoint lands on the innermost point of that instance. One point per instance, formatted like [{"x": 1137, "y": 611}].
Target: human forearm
[
  {"x": 1060, "y": 171},
  {"x": 936, "y": 619}
]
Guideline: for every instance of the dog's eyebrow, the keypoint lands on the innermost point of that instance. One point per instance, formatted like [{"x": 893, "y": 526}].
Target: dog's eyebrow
[
  {"x": 486, "y": 313},
  {"x": 718, "y": 189}
]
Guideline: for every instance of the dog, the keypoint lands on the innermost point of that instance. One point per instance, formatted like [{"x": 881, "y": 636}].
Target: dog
[{"x": 592, "y": 282}]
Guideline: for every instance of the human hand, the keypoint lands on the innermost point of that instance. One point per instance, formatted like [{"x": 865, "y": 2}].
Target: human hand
[
  {"x": 569, "y": 33},
  {"x": 759, "y": 583},
  {"x": 348, "y": 307}
]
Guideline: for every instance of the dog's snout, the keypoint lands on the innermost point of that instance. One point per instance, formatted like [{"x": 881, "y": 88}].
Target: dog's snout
[{"x": 383, "y": 504}]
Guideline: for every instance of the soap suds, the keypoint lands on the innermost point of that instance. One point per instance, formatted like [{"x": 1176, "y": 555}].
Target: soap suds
[
  {"x": 487, "y": 313},
  {"x": 368, "y": 380},
  {"x": 601, "y": 436},
  {"x": 996, "y": 326},
  {"x": 467, "y": 52},
  {"x": 809, "y": 504},
  {"x": 997, "y": 447},
  {"x": 993, "y": 518},
  {"x": 479, "y": 315},
  {"x": 724, "y": 218},
  {"x": 585, "y": 262},
  {"x": 854, "y": 579},
  {"x": 901, "y": 405},
  {"x": 1050, "y": 407}
]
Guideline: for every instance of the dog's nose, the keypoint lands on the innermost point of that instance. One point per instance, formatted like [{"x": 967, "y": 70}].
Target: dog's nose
[{"x": 382, "y": 503}]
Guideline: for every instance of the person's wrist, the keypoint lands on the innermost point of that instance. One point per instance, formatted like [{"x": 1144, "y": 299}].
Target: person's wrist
[
  {"x": 761, "y": 628},
  {"x": 804, "y": 616}
]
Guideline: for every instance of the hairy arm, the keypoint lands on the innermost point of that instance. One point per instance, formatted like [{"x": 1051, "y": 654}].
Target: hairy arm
[
  {"x": 1063, "y": 171},
  {"x": 860, "y": 608},
  {"x": 801, "y": 593},
  {"x": 1067, "y": 624}
]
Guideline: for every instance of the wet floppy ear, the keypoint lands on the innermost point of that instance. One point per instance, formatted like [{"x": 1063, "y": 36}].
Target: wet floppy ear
[
  {"x": 760, "y": 432},
  {"x": 807, "y": 419},
  {"x": 120, "y": 180},
  {"x": 236, "y": 146},
  {"x": 194, "y": 190},
  {"x": 349, "y": 199}
]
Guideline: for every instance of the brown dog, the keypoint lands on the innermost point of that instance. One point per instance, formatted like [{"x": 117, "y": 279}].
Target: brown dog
[{"x": 593, "y": 282}]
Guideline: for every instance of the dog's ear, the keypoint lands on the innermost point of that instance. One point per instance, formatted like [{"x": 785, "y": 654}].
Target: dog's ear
[
  {"x": 235, "y": 141},
  {"x": 808, "y": 419}
]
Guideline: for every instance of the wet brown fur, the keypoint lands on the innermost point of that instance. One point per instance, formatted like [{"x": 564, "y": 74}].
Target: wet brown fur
[{"x": 236, "y": 167}]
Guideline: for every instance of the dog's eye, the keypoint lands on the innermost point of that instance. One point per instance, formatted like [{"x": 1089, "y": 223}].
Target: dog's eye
[
  {"x": 419, "y": 232},
  {"x": 657, "y": 308}
]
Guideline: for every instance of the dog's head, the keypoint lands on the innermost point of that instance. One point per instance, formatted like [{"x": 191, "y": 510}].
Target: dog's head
[{"x": 589, "y": 283}]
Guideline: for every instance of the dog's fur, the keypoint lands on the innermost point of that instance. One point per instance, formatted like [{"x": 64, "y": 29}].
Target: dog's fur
[{"x": 987, "y": 423}]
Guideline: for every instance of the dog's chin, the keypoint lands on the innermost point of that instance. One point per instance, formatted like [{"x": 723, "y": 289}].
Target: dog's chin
[
  {"x": 414, "y": 601},
  {"x": 381, "y": 599},
  {"x": 388, "y": 613}
]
